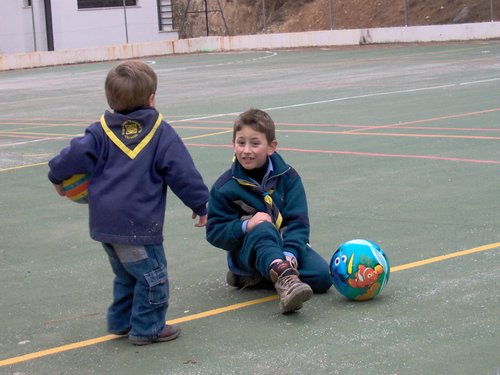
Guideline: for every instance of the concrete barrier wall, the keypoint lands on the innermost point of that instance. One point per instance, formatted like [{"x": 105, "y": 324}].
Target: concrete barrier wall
[{"x": 434, "y": 33}]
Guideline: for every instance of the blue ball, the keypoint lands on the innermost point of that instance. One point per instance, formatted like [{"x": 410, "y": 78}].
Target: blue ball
[{"x": 360, "y": 269}]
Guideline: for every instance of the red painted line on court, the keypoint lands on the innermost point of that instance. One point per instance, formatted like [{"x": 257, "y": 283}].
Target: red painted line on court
[
  {"x": 414, "y": 135},
  {"x": 201, "y": 127},
  {"x": 429, "y": 119},
  {"x": 403, "y": 156},
  {"x": 366, "y": 127},
  {"x": 48, "y": 120},
  {"x": 371, "y": 154},
  {"x": 38, "y": 136},
  {"x": 45, "y": 124},
  {"x": 451, "y": 129},
  {"x": 358, "y": 128},
  {"x": 402, "y": 125},
  {"x": 25, "y": 136}
]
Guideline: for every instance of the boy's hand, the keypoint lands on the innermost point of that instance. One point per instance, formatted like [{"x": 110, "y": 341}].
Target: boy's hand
[
  {"x": 258, "y": 218},
  {"x": 59, "y": 189},
  {"x": 202, "y": 221}
]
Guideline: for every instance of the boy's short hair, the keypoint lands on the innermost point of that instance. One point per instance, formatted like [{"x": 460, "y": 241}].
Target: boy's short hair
[
  {"x": 258, "y": 120},
  {"x": 129, "y": 85}
]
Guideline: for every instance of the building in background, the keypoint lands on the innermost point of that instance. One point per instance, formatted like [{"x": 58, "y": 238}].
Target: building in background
[{"x": 54, "y": 25}]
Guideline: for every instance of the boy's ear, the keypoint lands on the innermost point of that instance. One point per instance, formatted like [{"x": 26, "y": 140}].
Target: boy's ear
[
  {"x": 272, "y": 147},
  {"x": 151, "y": 100}
]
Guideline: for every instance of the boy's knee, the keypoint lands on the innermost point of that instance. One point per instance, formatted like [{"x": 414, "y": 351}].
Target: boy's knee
[
  {"x": 317, "y": 275},
  {"x": 264, "y": 227},
  {"x": 264, "y": 231},
  {"x": 322, "y": 285},
  {"x": 319, "y": 282}
]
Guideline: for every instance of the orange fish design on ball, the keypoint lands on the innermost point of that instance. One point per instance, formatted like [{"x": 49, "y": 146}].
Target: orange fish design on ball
[{"x": 365, "y": 276}]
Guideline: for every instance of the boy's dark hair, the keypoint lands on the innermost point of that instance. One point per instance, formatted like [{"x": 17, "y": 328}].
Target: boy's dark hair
[
  {"x": 129, "y": 85},
  {"x": 258, "y": 120}
]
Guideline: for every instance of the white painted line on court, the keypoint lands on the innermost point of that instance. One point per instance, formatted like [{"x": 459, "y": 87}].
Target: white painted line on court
[
  {"x": 480, "y": 81},
  {"x": 267, "y": 55},
  {"x": 346, "y": 98},
  {"x": 32, "y": 141},
  {"x": 363, "y": 96}
]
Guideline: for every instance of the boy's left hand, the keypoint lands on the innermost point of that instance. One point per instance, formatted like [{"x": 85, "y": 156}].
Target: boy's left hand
[
  {"x": 59, "y": 189},
  {"x": 202, "y": 221}
]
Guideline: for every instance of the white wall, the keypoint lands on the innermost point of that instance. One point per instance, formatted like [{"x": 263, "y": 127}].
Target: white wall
[
  {"x": 84, "y": 28},
  {"x": 16, "y": 27},
  {"x": 478, "y": 31},
  {"x": 74, "y": 28}
]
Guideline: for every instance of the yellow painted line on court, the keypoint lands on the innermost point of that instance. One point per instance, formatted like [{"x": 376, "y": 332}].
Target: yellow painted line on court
[
  {"x": 221, "y": 310},
  {"x": 58, "y": 349},
  {"x": 23, "y": 166},
  {"x": 98, "y": 340},
  {"x": 445, "y": 257},
  {"x": 36, "y": 134},
  {"x": 45, "y": 163},
  {"x": 207, "y": 135}
]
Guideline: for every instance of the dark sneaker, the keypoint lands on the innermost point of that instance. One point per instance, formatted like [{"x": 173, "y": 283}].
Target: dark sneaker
[
  {"x": 170, "y": 332},
  {"x": 242, "y": 282},
  {"x": 292, "y": 292},
  {"x": 119, "y": 333}
]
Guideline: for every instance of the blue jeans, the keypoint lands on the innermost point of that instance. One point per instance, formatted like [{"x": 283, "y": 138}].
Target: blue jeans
[{"x": 140, "y": 290}]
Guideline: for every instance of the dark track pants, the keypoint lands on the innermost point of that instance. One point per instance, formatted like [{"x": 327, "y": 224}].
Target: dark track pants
[{"x": 264, "y": 244}]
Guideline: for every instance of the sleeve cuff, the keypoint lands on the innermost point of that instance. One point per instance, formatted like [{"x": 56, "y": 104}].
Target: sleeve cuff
[
  {"x": 289, "y": 252},
  {"x": 201, "y": 210},
  {"x": 244, "y": 225},
  {"x": 53, "y": 179}
]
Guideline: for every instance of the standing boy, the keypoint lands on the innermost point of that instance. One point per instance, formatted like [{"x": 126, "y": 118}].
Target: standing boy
[
  {"x": 258, "y": 213},
  {"x": 132, "y": 156}
]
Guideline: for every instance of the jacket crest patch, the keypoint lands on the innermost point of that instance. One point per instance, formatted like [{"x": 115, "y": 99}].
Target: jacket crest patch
[{"x": 131, "y": 129}]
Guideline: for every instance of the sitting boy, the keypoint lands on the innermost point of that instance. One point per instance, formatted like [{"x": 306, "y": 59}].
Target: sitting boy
[{"x": 258, "y": 212}]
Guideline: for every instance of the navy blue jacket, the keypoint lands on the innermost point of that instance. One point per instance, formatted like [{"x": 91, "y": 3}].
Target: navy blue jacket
[
  {"x": 132, "y": 159},
  {"x": 231, "y": 203}
]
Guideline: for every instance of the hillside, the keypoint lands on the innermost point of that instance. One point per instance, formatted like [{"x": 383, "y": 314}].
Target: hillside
[{"x": 246, "y": 16}]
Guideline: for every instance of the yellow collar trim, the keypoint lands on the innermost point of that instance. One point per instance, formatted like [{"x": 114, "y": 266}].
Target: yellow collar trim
[{"x": 131, "y": 153}]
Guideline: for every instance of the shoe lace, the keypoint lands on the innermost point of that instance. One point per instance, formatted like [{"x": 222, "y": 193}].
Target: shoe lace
[{"x": 288, "y": 281}]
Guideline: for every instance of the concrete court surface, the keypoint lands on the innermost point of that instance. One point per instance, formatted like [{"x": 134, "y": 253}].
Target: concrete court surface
[{"x": 398, "y": 144}]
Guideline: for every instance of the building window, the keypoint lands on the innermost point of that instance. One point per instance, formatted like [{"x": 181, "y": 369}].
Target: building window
[
  {"x": 84, "y": 4},
  {"x": 27, "y": 3}
]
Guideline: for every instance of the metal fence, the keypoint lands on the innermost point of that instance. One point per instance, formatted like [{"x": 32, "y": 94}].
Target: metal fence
[{"x": 224, "y": 17}]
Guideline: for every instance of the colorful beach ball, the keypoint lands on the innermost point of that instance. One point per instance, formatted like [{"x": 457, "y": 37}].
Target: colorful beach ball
[
  {"x": 360, "y": 269},
  {"x": 75, "y": 188}
]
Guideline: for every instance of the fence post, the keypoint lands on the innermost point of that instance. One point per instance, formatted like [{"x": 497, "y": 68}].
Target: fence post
[
  {"x": 406, "y": 12},
  {"x": 331, "y": 14},
  {"x": 206, "y": 17},
  {"x": 33, "y": 24},
  {"x": 264, "y": 13},
  {"x": 125, "y": 17}
]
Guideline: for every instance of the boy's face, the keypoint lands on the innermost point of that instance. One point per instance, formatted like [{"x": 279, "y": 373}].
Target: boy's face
[{"x": 251, "y": 148}]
